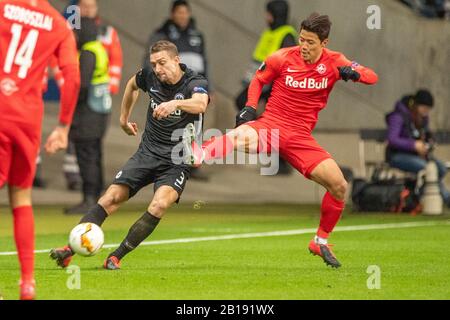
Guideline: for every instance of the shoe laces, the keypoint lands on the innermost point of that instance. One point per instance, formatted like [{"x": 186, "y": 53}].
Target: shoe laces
[{"x": 115, "y": 260}]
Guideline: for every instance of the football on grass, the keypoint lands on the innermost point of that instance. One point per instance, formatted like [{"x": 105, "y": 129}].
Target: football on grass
[{"x": 86, "y": 239}]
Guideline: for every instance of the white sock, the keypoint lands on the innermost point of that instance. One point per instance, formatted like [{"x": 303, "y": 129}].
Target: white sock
[
  {"x": 320, "y": 240},
  {"x": 203, "y": 156}
]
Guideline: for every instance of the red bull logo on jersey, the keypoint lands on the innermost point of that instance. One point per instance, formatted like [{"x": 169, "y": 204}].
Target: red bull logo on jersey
[{"x": 306, "y": 83}]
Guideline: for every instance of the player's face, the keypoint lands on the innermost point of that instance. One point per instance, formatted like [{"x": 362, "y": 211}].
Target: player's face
[
  {"x": 181, "y": 16},
  {"x": 310, "y": 46},
  {"x": 88, "y": 8},
  {"x": 166, "y": 66}
]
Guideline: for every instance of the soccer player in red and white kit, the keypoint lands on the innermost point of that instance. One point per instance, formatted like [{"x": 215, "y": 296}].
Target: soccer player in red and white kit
[
  {"x": 303, "y": 77},
  {"x": 31, "y": 31}
]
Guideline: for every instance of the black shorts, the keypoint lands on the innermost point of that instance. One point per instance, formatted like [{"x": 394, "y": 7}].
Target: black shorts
[{"x": 143, "y": 169}]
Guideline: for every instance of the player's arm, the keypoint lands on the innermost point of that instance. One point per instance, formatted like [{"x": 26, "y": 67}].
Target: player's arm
[
  {"x": 196, "y": 104},
  {"x": 266, "y": 73},
  {"x": 129, "y": 100},
  {"x": 68, "y": 63},
  {"x": 67, "y": 58},
  {"x": 348, "y": 70}
]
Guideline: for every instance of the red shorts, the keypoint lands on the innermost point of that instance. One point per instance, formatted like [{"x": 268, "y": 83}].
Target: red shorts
[
  {"x": 301, "y": 150},
  {"x": 19, "y": 148}
]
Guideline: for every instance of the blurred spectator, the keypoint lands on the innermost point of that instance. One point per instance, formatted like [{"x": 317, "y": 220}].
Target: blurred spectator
[
  {"x": 180, "y": 29},
  {"x": 279, "y": 34},
  {"x": 410, "y": 141},
  {"x": 430, "y": 8},
  {"x": 109, "y": 38},
  {"x": 92, "y": 113}
]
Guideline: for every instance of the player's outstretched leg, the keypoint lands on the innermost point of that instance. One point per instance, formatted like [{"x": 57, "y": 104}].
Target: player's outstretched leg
[
  {"x": 110, "y": 202},
  {"x": 138, "y": 232},
  {"x": 63, "y": 256},
  {"x": 24, "y": 238},
  {"x": 330, "y": 176},
  {"x": 164, "y": 197},
  {"x": 241, "y": 138},
  {"x": 331, "y": 211}
]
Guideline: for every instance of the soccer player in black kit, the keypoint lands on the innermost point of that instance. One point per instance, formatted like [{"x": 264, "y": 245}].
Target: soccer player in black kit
[{"x": 178, "y": 99}]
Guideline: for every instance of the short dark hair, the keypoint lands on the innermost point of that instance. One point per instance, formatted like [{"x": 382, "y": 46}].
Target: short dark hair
[
  {"x": 424, "y": 97},
  {"x": 178, "y": 3},
  {"x": 318, "y": 24},
  {"x": 164, "y": 45}
]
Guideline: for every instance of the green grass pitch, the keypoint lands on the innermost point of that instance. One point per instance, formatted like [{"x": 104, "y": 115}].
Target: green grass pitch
[{"x": 413, "y": 263}]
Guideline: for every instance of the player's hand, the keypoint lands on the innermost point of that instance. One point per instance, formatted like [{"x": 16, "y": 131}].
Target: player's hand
[
  {"x": 165, "y": 109},
  {"x": 57, "y": 140},
  {"x": 245, "y": 115},
  {"x": 348, "y": 73},
  {"x": 421, "y": 148},
  {"x": 130, "y": 128}
]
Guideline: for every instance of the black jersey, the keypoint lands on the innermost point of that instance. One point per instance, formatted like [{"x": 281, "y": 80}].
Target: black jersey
[{"x": 161, "y": 136}]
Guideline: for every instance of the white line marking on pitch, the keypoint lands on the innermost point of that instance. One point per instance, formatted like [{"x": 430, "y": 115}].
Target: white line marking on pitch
[{"x": 274, "y": 234}]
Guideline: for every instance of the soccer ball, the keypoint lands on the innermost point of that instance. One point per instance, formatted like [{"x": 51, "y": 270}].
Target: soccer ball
[{"x": 86, "y": 239}]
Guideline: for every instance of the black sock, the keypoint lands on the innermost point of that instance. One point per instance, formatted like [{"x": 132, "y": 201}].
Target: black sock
[
  {"x": 96, "y": 214},
  {"x": 138, "y": 233}
]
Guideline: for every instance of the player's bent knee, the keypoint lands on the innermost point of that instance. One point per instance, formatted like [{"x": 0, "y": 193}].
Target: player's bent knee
[
  {"x": 159, "y": 207},
  {"x": 114, "y": 196},
  {"x": 339, "y": 190}
]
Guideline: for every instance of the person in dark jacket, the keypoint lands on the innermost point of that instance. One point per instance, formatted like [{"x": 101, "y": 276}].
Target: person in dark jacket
[
  {"x": 91, "y": 115},
  {"x": 279, "y": 34},
  {"x": 410, "y": 140},
  {"x": 429, "y": 8},
  {"x": 181, "y": 30}
]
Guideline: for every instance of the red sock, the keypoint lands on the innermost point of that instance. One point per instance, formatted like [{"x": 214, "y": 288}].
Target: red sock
[
  {"x": 217, "y": 148},
  {"x": 331, "y": 211},
  {"x": 24, "y": 236}
]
